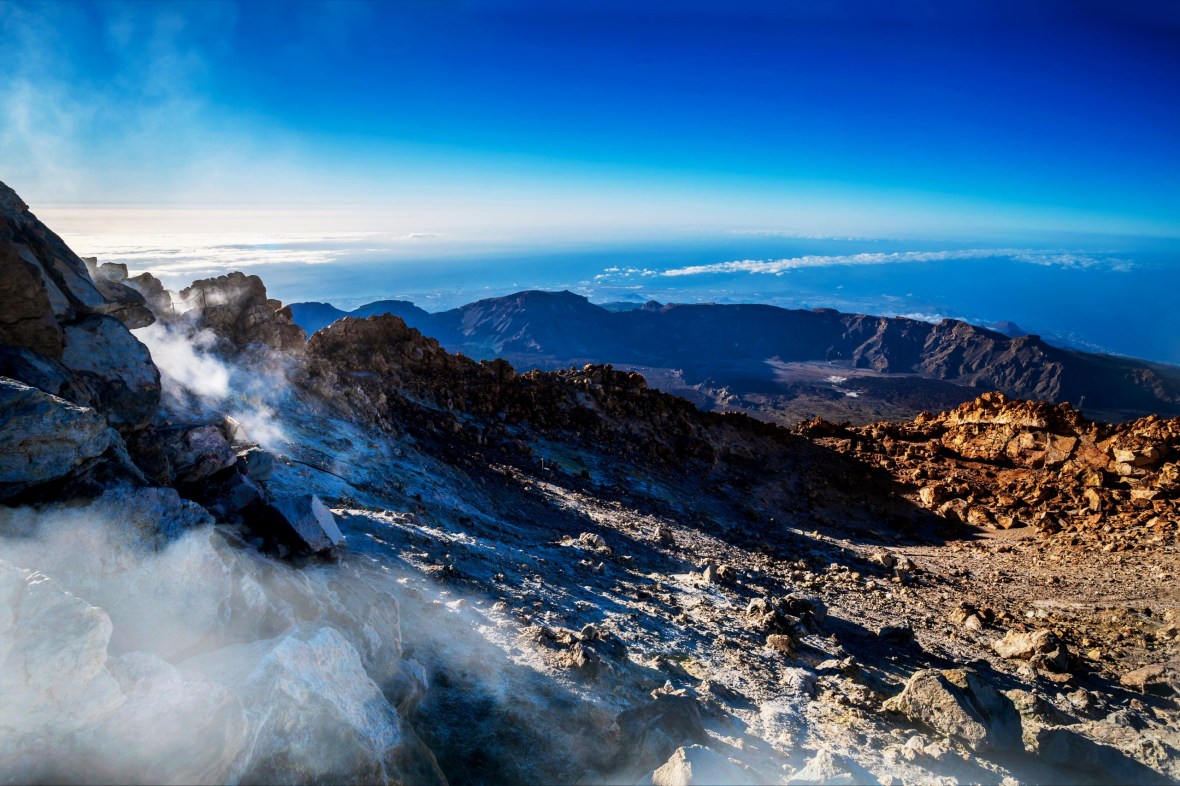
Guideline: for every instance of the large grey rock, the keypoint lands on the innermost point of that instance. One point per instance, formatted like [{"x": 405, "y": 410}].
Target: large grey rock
[
  {"x": 958, "y": 703},
  {"x": 310, "y": 520},
  {"x": 117, "y": 366},
  {"x": 44, "y": 373},
  {"x": 43, "y": 437},
  {"x": 65, "y": 279},
  {"x": 257, "y": 463}
]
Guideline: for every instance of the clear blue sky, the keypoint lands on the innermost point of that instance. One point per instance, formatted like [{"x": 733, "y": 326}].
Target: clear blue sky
[{"x": 922, "y": 118}]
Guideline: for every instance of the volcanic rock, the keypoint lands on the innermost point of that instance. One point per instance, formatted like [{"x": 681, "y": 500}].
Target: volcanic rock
[
  {"x": 1041, "y": 648},
  {"x": 654, "y": 731},
  {"x": 310, "y": 521},
  {"x": 696, "y": 765},
  {"x": 235, "y": 307},
  {"x": 958, "y": 703},
  {"x": 117, "y": 366},
  {"x": 44, "y": 437},
  {"x": 314, "y": 714}
]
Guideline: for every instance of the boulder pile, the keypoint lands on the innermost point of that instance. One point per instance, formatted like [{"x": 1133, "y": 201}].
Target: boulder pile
[{"x": 999, "y": 463}]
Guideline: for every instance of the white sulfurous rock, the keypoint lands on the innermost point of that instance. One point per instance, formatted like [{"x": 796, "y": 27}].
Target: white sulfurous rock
[
  {"x": 832, "y": 769},
  {"x": 44, "y": 437},
  {"x": 175, "y": 726},
  {"x": 53, "y": 651},
  {"x": 117, "y": 366},
  {"x": 311, "y": 520},
  {"x": 696, "y": 765},
  {"x": 314, "y": 714},
  {"x": 164, "y": 595}
]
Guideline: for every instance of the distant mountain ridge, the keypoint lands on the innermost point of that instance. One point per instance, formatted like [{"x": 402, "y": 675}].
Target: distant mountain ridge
[
  {"x": 746, "y": 356},
  {"x": 314, "y": 316}
]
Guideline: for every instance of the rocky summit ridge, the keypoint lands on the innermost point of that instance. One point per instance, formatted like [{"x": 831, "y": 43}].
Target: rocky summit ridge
[
  {"x": 786, "y": 365},
  {"x": 228, "y": 554}
]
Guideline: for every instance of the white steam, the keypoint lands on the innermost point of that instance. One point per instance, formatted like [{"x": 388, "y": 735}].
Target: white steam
[
  {"x": 198, "y": 382},
  {"x": 125, "y": 657},
  {"x": 185, "y": 363}
]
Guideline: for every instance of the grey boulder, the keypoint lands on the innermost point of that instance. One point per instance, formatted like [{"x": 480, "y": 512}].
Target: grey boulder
[
  {"x": 43, "y": 437},
  {"x": 117, "y": 366},
  {"x": 310, "y": 520},
  {"x": 960, "y": 704}
]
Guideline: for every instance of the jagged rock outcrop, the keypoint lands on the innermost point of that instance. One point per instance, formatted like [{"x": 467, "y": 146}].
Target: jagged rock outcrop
[
  {"x": 1001, "y": 463},
  {"x": 128, "y": 305},
  {"x": 51, "y": 307},
  {"x": 734, "y": 351},
  {"x": 235, "y": 307},
  {"x": 380, "y": 371}
]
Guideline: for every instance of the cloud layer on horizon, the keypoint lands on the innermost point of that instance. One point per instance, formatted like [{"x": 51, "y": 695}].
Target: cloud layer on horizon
[{"x": 1061, "y": 259}]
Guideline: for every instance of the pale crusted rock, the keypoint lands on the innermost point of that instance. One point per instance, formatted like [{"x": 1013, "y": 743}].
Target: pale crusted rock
[
  {"x": 313, "y": 712},
  {"x": 44, "y": 437},
  {"x": 958, "y": 703},
  {"x": 832, "y": 769},
  {"x": 174, "y": 727},
  {"x": 53, "y": 651},
  {"x": 118, "y": 367},
  {"x": 696, "y": 765}
]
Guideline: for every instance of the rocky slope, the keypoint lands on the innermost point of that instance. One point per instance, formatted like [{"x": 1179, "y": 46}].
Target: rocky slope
[
  {"x": 366, "y": 559},
  {"x": 755, "y": 358}
]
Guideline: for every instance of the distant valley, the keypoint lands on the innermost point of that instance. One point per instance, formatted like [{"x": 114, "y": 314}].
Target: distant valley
[{"x": 786, "y": 365}]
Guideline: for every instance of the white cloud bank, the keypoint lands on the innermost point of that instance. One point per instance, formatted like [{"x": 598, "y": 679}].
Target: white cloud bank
[{"x": 1062, "y": 259}]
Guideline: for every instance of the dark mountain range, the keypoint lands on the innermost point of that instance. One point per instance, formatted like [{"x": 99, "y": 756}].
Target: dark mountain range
[
  {"x": 785, "y": 364},
  {"x": 316, "y": 316}
]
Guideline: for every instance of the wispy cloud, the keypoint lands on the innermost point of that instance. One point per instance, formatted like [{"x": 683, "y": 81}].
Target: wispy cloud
[{"x": 778, "y": 267}]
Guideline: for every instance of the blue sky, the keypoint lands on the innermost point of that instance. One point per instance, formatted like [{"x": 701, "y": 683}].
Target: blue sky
[{"x": 989, "y": 121}]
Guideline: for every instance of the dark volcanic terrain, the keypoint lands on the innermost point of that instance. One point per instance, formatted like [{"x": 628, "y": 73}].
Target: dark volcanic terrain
[
  {"x": 232, "y": 553},
  {"x": 787, "y": 365}
]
